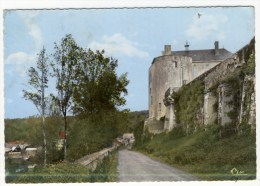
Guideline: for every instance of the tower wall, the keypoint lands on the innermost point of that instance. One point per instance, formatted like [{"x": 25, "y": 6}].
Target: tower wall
[
  {"x": 166, "y": 71},
  {"x": 199, "y": 68}
]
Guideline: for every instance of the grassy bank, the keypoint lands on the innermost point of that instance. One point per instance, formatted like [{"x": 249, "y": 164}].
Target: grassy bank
[
  {"x": 205, "y": 154},
  {"x": 65, "y": 172}
]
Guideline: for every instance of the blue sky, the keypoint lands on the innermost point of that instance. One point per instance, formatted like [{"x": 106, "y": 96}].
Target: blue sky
[{"x": 133, "y": 36}]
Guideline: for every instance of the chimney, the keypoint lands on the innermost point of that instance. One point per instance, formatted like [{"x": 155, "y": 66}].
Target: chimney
[
  {"x": 167, "y": 50},
  {"x": 187, "y": 46},
  {"x": 216, "y": 48}
]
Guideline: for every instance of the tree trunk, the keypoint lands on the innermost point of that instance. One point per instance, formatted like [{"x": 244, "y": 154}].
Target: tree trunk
[
  {"x": 65, "y": 137},
  {"x": 44, "y": 141}
]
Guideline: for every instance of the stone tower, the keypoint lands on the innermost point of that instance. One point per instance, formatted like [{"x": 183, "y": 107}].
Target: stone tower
[
  {"x": 166, "y": 71},
  {"x": 172, "y": 70}
]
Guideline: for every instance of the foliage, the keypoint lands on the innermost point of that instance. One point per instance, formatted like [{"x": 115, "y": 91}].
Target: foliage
[
  {"x": 249, "y": 68},
  {"x": 17, "y": 130},
  {"x": 39, "y": 82},
  {"x": 136, "y": 118},
  {"x": 89, "y": 135},
  {"x": 138, "y": 134},
  {"x": 86, "y": 82},
  {"x": 97, "y": 86},
  {"x": 188, "y": 103},
  {"x": 237, "y": 84},
  {"x": 142, "y": 136},
  {"x": 61, "y": 172},
  {"x": 107, "y": 170},
  {"x": 64, "y": 172},
  {"x": 66, "y": 57},
  {"x": 205, "y": 153}
]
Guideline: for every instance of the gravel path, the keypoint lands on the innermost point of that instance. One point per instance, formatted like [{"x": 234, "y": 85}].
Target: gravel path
[{"x": 136, "y": 167}]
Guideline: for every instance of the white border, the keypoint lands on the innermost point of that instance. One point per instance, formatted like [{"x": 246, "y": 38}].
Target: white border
[{"x": 64, "y": 4}]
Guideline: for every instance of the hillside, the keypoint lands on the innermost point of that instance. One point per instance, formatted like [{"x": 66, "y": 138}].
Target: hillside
[
  {"x": 214, "y": 126},
  {"x": 205, "y": 154}
]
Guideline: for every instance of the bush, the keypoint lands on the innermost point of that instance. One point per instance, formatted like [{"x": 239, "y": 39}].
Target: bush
[
  {"x": 54, "y": 173},
  {"x": 65, "y": 172}
]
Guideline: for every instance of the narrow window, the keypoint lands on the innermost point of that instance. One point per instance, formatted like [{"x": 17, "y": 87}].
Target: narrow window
[
  {"x": 160, "y": 107},
  {"x": 175, "y": 64}
]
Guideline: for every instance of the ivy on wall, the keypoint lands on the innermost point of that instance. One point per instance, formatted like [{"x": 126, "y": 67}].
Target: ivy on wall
[
  {"x": 188, "y": 106},
  {"x": 189, "y": 99}
]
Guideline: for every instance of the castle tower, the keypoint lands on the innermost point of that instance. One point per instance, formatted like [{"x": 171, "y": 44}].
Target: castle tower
[
  {"x": 171, "y": 71},
  {"x": 166, "y": 71}
]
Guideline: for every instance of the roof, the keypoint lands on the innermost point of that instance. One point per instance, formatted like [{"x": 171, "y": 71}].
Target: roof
[{"x": 204, "y": 55}]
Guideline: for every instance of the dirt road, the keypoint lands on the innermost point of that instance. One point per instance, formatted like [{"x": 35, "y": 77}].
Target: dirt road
[{"x": 134, "y": 167}]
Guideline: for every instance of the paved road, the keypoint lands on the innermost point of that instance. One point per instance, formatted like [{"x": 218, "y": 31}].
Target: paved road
[{"x": 134, "y": 167}]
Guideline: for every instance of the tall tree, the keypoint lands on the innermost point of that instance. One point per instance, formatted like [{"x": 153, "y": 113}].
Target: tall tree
[
  {"x": 66, "y": 57},
  {"x": 97, "y": 86},
  {"x": 38, "y": 82},
  {"x": 98, "y": 92}
]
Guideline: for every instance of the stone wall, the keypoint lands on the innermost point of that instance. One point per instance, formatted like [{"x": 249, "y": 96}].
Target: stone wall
[
  {"x": 223, "y": 107},
  {"x": 166, "y": 71},
  {"x": 170, "y": 121},
  {"x": 218, "y": 102},
  {"x": 91, "y": 161},
  {"x": 199, "y": 68},
  {"x": 170, "y": 71},
  {"x": 154, "y": 126}
]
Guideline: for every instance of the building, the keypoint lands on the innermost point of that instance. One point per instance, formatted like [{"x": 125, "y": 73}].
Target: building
[{"x": 173, "y": 69}]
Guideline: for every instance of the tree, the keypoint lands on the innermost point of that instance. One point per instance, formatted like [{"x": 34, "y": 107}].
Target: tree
[
  {"x": 52, "y": 109},
  {"x": 97, "y": 87},
  {"x": 39, "y": 82},
  {"x": 66, "y": 57},
  {"x": 98, "y": 92}
]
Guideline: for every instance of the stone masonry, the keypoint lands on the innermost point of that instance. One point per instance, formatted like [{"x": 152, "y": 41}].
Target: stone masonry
[{"x": 171, "y": 71}]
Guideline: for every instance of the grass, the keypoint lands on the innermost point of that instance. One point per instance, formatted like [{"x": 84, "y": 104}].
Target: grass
[
  {"x": 65, "y": 172},
  {"x": 206, "y": 155},
  {"x": 107, "y": 171}
]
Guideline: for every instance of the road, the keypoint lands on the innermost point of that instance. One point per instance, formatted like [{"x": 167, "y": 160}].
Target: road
[{"x": 136, "y": 167}]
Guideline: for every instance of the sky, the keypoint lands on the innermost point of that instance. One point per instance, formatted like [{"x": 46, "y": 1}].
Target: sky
[{"x": 133, "y": 36}]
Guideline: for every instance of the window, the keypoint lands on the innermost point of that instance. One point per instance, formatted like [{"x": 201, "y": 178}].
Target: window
[
  {"x": 160, "y": 107},
  {"x": 151, "y": 100},
  {"x": 175, "y": 64}
]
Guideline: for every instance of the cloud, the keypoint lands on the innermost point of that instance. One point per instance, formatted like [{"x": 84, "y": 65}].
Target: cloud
[
  {"x": 117, "y": 44},
  {"x": 19, "y": 62},
  {"x": 207, "y": 25},
  {"x": 34, "y": 30},
  {"x": 19, "y": 58}
]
